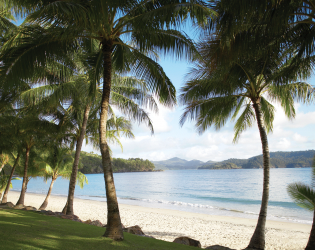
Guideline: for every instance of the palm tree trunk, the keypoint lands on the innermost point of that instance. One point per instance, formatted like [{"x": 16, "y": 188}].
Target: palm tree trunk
[
  {"x": 24, "y": 184},
  {"x": 6, "y": 191},
  {"x": 45, "y": 203},
  {"x": 64, "y": 210},
  {"x": 311, "y": 239},
  {"x": 73, "y": 178},
  {"x": 114, "y": 228},
  {"x": 258, "y": 239}
]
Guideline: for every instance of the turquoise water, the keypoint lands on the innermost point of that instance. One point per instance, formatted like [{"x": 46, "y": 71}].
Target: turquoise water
[{"x": 234, "y": 192}]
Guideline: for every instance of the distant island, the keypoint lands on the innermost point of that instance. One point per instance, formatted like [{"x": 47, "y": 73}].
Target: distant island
[
  {"x": 91, "y": 163},
  {"x": 295, "y": 159}
]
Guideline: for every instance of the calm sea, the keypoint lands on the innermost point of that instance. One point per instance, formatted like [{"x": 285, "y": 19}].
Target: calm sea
[{"x": 219, "y": 192}]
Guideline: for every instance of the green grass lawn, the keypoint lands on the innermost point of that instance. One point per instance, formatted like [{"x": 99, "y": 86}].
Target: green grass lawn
[{"x": 20, "y": 229}]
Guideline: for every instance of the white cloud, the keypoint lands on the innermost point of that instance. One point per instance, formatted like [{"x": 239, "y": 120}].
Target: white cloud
[
  {"x": 301, "y": 119},
  {"x": 299, "y": 138},
  {"x": 283, "y": 144}
]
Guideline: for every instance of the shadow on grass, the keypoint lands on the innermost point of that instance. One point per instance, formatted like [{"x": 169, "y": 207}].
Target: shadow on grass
[{"x": 21, "y": 229}]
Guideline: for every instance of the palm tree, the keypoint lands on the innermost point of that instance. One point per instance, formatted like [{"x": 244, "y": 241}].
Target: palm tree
[
  {"x": 35, "y": 167},
  {"x": 109, "y": 23},
  {"x": 9, "y": 184},
  {"x": 240, "y": 89},
  {"x": 59, "y": 163},
  {"x": 4, "y": 181},
  {"x": 34, "y": 132},
  {"x": 304, "y": 196},
  {"x": 11, "y": 143}
]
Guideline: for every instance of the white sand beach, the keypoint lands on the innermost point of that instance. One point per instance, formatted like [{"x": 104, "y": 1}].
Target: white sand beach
[{"x": 167, "y": 224}]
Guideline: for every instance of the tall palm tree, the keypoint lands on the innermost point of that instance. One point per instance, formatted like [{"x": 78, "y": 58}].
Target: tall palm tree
[
  {"x": 59, "y": 163},
  {"x": 9, "y": 184},
  {"x": 34, "y": 132},
  {"x": 240, "y": 89},
  {"x": 304, "y": 196},
  {"x": 35, "y": 168},
  {"x": 4, "y": 181}
]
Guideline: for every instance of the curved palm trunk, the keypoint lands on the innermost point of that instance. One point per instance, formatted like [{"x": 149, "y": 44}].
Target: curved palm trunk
[
  {"x": 25, "y": 180},
  {"x": 45, "y": 203},
  {"x": 114, "y": 228},
  {"x": 73, "y": 178},
  {"x": 258, "y": 239},
  {"x": 311, "y": 239},
  {"x": 6, "y": 191}
]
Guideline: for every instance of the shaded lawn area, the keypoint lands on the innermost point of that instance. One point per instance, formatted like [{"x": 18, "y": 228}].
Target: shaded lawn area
[{"x": 20, "y": 229}]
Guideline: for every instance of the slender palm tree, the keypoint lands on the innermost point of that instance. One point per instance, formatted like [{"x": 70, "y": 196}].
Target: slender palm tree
[
  {"x": 240, "y": 90},
  {"x": 35, "y": 167},
  {"x": 9, "y": 184},
  {"x": 34, "y": 131},
  {"x": 59, "y": 163},
  {"x": 304, "y": 196},
  {"x": 4, "y": 181},
  {"x": 11, "y": 143}
]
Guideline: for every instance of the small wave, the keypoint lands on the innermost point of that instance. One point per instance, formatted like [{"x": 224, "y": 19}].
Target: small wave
[
  {"x": 290, "y": 219},
  {"x": 97, "y": 196},
  {"x": 229, "y": 211},
  {"x": 250, "y": 212}
]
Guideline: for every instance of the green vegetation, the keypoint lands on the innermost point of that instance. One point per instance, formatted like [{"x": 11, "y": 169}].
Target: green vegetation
[
  {"x": 227, "y": 165},
  {"x": 298, "y": 159},
  {"x": 295, "y": 159},
  {"x": 30, "y": 230},
  {"x": 92, "y": 163},
  {"x": 177, "y": 164}
]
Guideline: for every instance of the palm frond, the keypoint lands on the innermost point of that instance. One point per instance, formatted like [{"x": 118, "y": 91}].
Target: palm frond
[
  {"x": 244, "y": 121},
  {"x": 303, "y": 195}
]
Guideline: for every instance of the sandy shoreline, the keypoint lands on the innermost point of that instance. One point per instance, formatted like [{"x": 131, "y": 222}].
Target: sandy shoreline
[{"x": 167, "y": 224}]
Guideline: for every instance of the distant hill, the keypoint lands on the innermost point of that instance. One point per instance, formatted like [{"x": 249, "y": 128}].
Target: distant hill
[
  {"x": 296, "y": 159},
  {"x": 92, "y": 163},
  {"x": 177, "y": 164}
]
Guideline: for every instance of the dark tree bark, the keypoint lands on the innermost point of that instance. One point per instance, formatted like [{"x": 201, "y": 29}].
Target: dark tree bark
[
  {"x": 45, "y": 203},
  {"x": 73, "y": 178},
  {"x": 64, "y": 210},
  {"x": 258, "y": 239},
  {"x": 6, "y": 191},
  {"x": 114, "y": 228},
  {"x": 25, "y": 181},
  {"x": 311, "y": 240}
]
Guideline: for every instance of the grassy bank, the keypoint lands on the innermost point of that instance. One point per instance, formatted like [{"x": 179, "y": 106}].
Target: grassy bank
[{"x": 21, "y": 229}]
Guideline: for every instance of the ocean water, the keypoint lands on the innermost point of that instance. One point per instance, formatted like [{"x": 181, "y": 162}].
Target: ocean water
[{"x": 235, "y": 192}]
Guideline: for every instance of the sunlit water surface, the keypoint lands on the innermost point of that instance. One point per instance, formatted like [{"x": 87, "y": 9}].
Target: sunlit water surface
[{"x": 219, "y": 192}]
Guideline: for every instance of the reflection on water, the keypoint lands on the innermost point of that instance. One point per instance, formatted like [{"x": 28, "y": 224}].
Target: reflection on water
[{"x": 234, "y": 192}]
